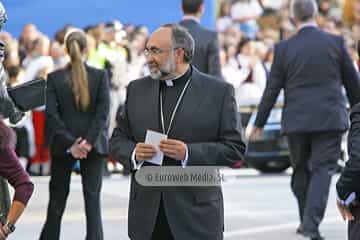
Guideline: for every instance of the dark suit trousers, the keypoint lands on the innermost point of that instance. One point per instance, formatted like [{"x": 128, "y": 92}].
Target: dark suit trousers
[
  {"x": 91, "y": 170},
  {"x": 161, "y": 230},
  {"x": 314, "y": 158},
  {"x": 354, "y": 226}
]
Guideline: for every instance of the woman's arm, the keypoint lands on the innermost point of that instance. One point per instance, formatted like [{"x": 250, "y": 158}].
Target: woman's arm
[
  {"x": 16, "y": 210},
  {"x": 11, "y": 169}
]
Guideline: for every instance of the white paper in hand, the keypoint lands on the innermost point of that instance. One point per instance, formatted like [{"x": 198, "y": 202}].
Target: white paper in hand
[{"x": 154, "y": 138}]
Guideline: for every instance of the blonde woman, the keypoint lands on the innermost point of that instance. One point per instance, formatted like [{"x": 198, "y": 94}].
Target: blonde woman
[{"x": 77, "y": 109}]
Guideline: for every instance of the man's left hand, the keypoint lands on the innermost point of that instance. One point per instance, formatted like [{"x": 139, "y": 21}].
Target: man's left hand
[
  {"x": 173, "y": 148},
  {"x": 345, "y": 211}
]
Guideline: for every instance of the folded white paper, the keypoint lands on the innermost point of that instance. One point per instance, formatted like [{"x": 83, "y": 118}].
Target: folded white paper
[{"x": 154, "y": 138}]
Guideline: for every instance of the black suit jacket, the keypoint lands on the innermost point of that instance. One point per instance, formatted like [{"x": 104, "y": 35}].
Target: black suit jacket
[
  {"x": 350, "y": 177},
  {"x": 65, "y": 123},
  {"x": 206, "y": 57},
  {"x": 206, "y": 121},
  {"x": 312, "y": 67}
]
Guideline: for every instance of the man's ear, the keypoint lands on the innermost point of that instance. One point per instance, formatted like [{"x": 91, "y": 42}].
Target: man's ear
[{"x": 180, "y": 55}]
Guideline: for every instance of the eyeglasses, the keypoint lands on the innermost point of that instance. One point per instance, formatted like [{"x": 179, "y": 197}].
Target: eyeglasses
[{"x": 156, "y": 51}]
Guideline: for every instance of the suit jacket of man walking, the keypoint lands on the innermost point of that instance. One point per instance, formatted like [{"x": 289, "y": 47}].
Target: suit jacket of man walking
[
  {"x": 312, "y": 67},
  {"x": 206, "y": 121},
  {"x": 348, "y": 183},
  {"x": 206, "y": 56}
]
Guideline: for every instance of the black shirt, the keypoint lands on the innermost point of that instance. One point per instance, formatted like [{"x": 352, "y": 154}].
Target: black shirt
[{"x": 170, "y": 96}]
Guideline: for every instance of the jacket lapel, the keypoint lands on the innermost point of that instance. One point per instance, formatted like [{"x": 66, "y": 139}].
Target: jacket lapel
[
  {"x": 193, "y": 97},
  {"x": 151, "y": 105}
]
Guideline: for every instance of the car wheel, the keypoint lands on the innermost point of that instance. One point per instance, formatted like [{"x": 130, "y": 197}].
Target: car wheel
[{"x": 271, "y": 166}]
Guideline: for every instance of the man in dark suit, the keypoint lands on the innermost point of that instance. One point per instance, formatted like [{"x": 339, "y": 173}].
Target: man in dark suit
[
  {"x": 202, "y": 131},
  {"x": 311, "y": 67},
  {"x": 348, "y": 187},
  {"x": 206, "y": 57}
]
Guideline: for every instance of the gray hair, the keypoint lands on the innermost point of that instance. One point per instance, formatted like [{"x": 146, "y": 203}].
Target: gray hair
[
  {"x": 303, "y": 10},
  {"x": 181, "y": 38}
]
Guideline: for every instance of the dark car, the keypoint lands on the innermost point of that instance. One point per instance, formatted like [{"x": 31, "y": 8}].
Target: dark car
[{"x": 270, "y": 153}]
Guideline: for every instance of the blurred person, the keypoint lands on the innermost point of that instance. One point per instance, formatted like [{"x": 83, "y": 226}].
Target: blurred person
[
  {"x": 29, "y": 34},
  {"x": 138, "y": 60},
  {"x": 22, "y": 147},
  {"x": 58, "y": 55},
  {"x": 7, "y": 106},
  {"x": 14, "y": 173},
  {"x": 245, "y": 13},
  {"x": 95, "y": 58},
  {"x": 171, "y": 212},
  {"x": 250, "y": 61},
  {"x": 36, "y": 66},
  {"x": 115, "y": 56},
  {"x": 351, "y": 13},
  {"x": 77, "y": 110},
  {"x": 15, "y": 75},
  {"x": 325, "y": 7},
  {"x": 287, "y": 28},
  {"x": 206, "y": 56},
  {"x": 224, "y": 19},
  {"x": 116, "y": 65},
  {"x": 330, "y": 27},
  {"x": 232, "y": 35},
  {"x": 311, "y": 67},
  {"x": 347, "y": 185},
  {"x": 274, "y": 5},
  {"x": 6, "y": 37},
  {"x": 12, "y": 57},
  {"x": 40, "y": 48},
  {"x": 142, "y": 29},
  {"x": 267, "y": 61},
  {"x": 60, "y": 34}
]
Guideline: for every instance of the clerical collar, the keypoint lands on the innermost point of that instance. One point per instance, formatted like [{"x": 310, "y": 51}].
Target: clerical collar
[{"x": 180, "y": 78}]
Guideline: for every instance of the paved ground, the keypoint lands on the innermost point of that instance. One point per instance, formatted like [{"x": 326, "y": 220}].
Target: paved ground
[{"x": 257, "y": 207}]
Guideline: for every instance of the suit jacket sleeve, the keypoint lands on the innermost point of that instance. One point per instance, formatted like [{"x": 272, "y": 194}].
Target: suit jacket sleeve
[
  {"x": 350, "y": 76},
  {"x": 214, "y": 67},
  {"x": 349, "y": 179},
  {"x": 53, "y": 118},
  {"x": 102, "y": 110},
  {"x": 272, "y": 89},
  {"x": 122, "y": 143},
  {"x": 230, "y": 147}
]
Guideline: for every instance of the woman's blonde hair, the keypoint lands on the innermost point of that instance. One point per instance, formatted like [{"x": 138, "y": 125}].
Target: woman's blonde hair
[{"x": 75, "y": 43}]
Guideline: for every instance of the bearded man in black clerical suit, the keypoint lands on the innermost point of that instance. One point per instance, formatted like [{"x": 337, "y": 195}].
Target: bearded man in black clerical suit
[{"x": 198, "y": 114}]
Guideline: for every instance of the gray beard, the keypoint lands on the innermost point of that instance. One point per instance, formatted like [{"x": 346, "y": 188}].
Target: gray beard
[{"x": 156, "y": 76}]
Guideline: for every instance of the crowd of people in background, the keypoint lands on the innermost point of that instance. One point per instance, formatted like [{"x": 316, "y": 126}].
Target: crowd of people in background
[{"x": 247, "y": 31}]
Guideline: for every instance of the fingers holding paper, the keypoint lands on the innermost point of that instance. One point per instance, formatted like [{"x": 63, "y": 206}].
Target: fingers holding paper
[
  {"x": 173, "y": 148},
  {"x": 144, "y": 151}
]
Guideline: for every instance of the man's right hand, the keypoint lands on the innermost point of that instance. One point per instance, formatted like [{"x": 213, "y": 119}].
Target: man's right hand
[{"x": 144, "y": 151}]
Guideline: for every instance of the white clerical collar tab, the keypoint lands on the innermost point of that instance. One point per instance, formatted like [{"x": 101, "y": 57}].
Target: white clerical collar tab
[{"x": 169, "y": 83}]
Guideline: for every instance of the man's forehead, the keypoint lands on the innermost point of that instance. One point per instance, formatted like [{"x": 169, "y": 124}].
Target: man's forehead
[{"x": 160, "y": 38}]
